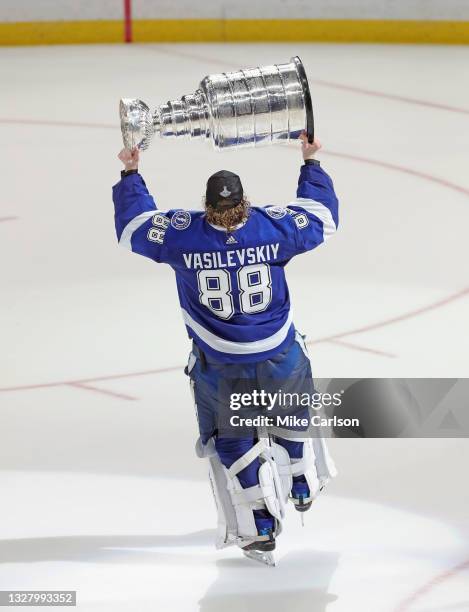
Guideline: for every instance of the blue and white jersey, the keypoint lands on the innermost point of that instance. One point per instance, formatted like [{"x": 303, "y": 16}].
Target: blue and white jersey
[{"x": 232, "y": 288}]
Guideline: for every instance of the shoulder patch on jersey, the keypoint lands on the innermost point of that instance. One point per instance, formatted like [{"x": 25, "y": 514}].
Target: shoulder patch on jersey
[
  {"x": 181, "y": 219},
  {"x": 301, "y": 220},
  {"x": 160, "y": 220},
  {"x": 157, "y": 232},
  {"x": 276, "y": 212}
]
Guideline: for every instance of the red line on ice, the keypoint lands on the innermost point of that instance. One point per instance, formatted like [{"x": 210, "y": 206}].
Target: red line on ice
[
  {"x": 354, "y": 347},
  {"x": 404, "y": 169},
  {"x": 3, "y": 219},
  {"x": 394, "y": 97},
  {"x": 53, "y": 123},
  {"x": 231, "y": 65},
  {"x": 85, "y": 381},
  {"x": 78, "y": 385},
  {"x": 398, "y": 318},
  {"x": 405, "y": 605}
]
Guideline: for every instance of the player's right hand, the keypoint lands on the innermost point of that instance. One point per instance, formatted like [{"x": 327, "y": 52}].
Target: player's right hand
[
  {"x": 309, "y": 150},
  {"x": 130, "y": 157}
]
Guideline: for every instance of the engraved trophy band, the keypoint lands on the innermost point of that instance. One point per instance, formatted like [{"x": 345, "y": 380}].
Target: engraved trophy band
[{"x": 246, "y": 108}]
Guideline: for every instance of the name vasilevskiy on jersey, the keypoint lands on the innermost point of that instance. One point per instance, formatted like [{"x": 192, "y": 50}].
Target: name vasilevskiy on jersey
[{"x": 231, "y": 259}]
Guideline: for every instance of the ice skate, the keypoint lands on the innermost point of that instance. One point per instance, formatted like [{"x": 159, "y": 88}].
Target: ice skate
[
  {"x": 301, "y": 495},
  {"x": 261, "y": 550}
]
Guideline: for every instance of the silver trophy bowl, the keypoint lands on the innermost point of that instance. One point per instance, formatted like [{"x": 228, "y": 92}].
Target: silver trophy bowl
[
  {"x": 246, "y": 108},
  {"x": 136, "y": 123}
]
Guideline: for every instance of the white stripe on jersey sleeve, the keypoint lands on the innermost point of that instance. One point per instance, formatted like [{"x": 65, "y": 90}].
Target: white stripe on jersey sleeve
[
  {"x": 132, "y": 226},
  {"x": 238, "y": 348},
  {"x": 320, "y": 211}
]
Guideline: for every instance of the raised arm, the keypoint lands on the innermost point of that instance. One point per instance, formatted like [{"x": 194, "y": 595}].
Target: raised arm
[
  {"x": 140, "y": 227},
  {"x": 315, "y": 209}
]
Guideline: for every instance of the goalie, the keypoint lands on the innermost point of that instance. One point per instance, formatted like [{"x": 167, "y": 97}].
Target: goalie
[{"x": 229, "y": 261}]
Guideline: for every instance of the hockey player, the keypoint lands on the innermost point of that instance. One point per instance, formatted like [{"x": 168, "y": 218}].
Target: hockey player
[{"x": 229, "y": 261}]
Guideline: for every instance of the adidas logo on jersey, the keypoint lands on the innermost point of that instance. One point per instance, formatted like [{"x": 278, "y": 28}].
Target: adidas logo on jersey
[{"x": 231, "y": 240}]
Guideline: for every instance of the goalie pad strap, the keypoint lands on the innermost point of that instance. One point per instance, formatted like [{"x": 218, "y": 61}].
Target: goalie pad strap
[
  {"x": 298, "y": 468},
  {"x": 252, "y": 494},
  {"x": 324, "y": 464},
  {"x": 247, "y": 458}
]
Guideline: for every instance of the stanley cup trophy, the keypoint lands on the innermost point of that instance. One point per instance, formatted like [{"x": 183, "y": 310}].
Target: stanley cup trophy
[{"x": 246, "y": 108}]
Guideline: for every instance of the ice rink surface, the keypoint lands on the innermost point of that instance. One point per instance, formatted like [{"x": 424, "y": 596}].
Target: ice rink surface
[{"x": 100, "y": 488}]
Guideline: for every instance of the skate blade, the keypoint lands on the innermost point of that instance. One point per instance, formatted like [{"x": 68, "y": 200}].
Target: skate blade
[{"x": 267, "y": 558}]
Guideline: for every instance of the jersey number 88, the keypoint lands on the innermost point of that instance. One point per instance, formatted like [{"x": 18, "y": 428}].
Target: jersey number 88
[{"x": 254, "y": 287}]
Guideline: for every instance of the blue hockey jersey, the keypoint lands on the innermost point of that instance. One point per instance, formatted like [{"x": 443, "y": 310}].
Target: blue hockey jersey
[{"x": 232, "y": 288}]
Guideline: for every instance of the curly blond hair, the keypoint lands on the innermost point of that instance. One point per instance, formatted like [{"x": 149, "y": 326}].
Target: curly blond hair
[{"x": 230, "y": 217}]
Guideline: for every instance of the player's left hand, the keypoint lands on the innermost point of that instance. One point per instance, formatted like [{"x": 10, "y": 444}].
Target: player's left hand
[{"x": 130, "y": 157}]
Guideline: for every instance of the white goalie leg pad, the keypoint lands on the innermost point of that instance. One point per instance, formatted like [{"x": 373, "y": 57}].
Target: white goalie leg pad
[
  {"x": 226, "y": 515},
  {"x": 316, "y": 463},
  {"x": 306, "y": 466},
  {"x": 325, "y": 465},
  {"x": 235, "y": 505},
  {"x": 265, "y": 495},
  {"x": 282, "y": 460}
]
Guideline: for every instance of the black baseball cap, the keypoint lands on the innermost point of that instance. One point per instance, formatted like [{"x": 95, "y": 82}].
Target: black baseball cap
[{"x": 224, "y": 186}]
